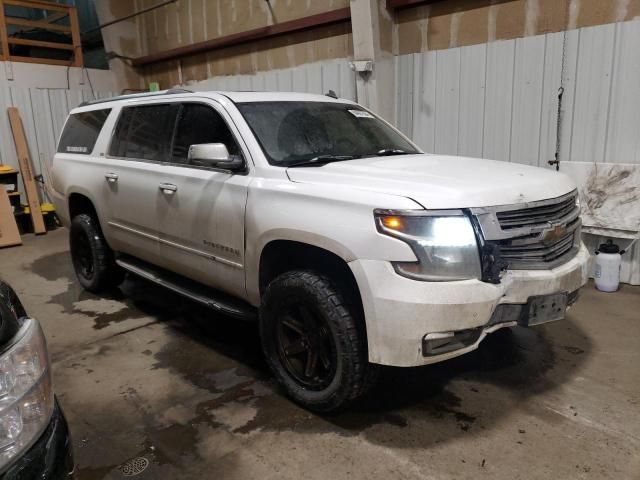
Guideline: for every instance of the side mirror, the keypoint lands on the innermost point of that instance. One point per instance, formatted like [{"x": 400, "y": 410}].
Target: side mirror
[{"x": 213, "y": 155}]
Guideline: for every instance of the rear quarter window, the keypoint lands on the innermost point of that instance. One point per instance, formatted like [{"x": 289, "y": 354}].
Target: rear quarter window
[
  {"x": 81, "y": 131},
  {"x": 145, "y": 132}
]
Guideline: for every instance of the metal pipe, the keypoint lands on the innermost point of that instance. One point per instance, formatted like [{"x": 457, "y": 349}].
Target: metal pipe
[{"x": 127, "y": 17}]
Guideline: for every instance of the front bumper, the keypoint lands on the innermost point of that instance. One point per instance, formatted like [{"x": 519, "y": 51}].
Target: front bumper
[
  {"x": 50, "y": 458},
  {"x": 400, "y": 312}
]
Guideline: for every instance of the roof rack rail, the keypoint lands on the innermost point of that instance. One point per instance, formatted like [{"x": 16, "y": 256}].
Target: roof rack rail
[
  {"x": 178, "y": 90},
  {"x": 171, "y": 91}
]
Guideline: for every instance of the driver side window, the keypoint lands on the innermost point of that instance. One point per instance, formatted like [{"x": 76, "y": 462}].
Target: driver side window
[{"x": 198, "y": 124}]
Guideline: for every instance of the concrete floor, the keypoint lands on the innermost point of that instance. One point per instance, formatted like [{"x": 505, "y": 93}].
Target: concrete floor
[{"x": 143, "y": 373}]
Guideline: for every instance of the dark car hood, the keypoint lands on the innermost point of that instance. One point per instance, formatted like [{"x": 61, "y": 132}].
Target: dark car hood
[{"x": 11, "y": 310}]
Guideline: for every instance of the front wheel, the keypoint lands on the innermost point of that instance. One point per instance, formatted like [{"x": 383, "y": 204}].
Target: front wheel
[
  {"x": 92, "y": 258},
  {"x": 312, "y": 341}
]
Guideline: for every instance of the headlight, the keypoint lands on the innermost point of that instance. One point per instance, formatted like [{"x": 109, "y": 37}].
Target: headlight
[
  {"x": 26, "y": 394},
  {"x": 444, "y": 243}
]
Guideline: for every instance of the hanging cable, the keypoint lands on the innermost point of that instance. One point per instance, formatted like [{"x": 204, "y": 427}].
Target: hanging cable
[
  {"x": 556, "y": 160},
  {"x": 93, "y": 92}
]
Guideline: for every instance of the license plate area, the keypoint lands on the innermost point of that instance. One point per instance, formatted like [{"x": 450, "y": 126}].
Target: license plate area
[{"x": 546, "y": 308}]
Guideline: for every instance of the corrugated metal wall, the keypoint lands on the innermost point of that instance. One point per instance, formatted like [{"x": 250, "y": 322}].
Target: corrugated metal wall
[
  {"x": 43, "y": 113},
  {"x": 499, "y": 100},
  {"x": 319, "y": 77}
]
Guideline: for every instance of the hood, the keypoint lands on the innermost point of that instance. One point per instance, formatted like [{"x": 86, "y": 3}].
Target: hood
[{"x": 441, "y": 181}]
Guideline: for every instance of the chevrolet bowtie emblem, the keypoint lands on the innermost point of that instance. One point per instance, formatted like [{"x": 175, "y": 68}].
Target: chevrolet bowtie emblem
[{"x": 554, "y": 234}]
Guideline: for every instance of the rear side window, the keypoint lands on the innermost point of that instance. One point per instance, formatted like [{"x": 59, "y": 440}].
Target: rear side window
[
  {"x": 81, "y": 131},
  {"x": 144, "y": 132}
]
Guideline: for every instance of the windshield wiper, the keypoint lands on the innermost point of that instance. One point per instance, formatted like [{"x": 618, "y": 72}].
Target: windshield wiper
[
  {"x": 391, "y": 151},
  {"x": 321, "y": 160}
]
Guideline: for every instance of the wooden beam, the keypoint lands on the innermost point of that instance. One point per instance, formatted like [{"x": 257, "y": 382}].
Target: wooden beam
[
  {"x": 301, "y": 24},
  {"x": 43, "y": 61},
  {"x": 9, "y": 234},
  {"x": 55, "y": 17},
  {"x": 408, "y": 3},
  {"x": 38, "y": 24},
  {"x": 38, "y": 43},
  {"x": 78, "y": 59},
  {"x": 22, "y": 149},
  {"x": 3, "y": 33},
  {"x": 38, "y": 4}
]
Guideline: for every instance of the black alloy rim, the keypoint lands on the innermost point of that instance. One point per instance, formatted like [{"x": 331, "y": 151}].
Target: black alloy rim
[
  {"x": 306, "y": 346},
  {"x": 82, "y": 255}
]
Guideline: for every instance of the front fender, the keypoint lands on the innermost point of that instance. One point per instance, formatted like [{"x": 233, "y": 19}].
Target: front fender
[{"x": 339, "y": 220}]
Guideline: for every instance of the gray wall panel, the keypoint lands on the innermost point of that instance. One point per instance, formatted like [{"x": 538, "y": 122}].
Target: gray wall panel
[{"x": 499, "y": 100}]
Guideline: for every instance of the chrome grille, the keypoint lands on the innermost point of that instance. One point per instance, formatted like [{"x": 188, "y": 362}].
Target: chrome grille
[
  {"x": 537, "y": 235},
  {"x": 536, "y": 215},
  {"x": 530, "y": 252}
]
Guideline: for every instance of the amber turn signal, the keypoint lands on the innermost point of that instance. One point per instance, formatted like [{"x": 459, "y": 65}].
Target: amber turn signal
[{"x": 392, "y": 222}]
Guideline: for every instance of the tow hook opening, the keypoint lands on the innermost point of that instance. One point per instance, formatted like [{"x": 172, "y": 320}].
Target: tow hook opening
[{"x": 439, "y": 343}]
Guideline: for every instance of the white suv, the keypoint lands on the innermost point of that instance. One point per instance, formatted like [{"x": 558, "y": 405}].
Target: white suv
[{"x": 351, "y": 246}]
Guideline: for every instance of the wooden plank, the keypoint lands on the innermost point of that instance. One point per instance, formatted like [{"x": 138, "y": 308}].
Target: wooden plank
[
  {"x": 78, "y": 59},
  {"x": 39, "y": 4},
  {"x": 332, "y": 17},
  {"x": 56, "y": 16},
  {"x": 9, "y": 234},
  {"x": 31, "y": 190},
  {"x": 3, "y": 33},
  {"x": 408, "y": 3},
  {"x": 45, "y": 61},
  {"x": 39, "y": 43},
  {"x": 37, "y": 24}
]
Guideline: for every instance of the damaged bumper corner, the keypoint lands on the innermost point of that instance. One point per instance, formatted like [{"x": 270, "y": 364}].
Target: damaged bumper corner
[
  {"x": 538, "y": 310},
  {"x": 411, "y": 323}
]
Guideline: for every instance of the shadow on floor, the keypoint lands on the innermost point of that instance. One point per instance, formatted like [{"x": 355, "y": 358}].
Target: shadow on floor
[{"x": 518, "y": 364}]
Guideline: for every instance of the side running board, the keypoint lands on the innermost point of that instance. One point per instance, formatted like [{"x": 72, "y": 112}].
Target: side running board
[{"x": 208, "y": 297}]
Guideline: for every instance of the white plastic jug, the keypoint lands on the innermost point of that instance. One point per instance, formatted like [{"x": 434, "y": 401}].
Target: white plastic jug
[{"x": 607, "y": 268}]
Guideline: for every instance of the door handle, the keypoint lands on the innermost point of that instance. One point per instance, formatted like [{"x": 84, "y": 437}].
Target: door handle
[
  {"x": 168, "y": 188},
  {"x": 111, "y": 177}
]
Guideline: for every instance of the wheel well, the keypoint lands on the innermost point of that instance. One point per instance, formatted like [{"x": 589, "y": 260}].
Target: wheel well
[
  {"x": 280, "y": 256},
  {"x": 79, "y": 204}
]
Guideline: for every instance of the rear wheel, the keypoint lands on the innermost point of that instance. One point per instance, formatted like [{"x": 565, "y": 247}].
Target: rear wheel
[
  {"x": 312, "y": 341},
  {"x": 92, "y": 258}
]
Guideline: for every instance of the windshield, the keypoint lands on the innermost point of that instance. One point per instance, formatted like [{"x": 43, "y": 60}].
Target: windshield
[{"x": 293, "y": 132}]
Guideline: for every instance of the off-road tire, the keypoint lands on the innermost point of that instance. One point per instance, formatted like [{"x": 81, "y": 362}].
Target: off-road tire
[
  {"x": 353, "y": 374},
  {"x": 92, "y": 259}
]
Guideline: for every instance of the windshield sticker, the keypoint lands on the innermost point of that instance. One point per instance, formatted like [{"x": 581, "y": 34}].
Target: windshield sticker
[{"x": 360, "y": 114}]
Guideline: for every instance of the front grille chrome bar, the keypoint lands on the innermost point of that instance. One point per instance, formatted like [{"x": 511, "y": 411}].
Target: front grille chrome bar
[{"x": 535, "y": 235}]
